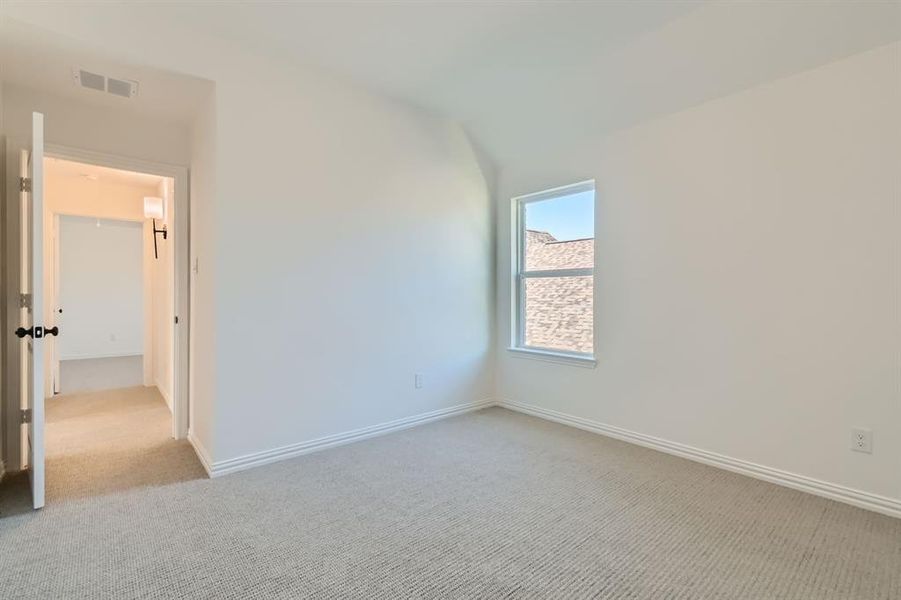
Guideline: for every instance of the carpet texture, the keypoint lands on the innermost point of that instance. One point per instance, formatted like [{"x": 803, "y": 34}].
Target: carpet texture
[
  {"x": 113, "y": 440},
  {"x": 491, "y": 504}
]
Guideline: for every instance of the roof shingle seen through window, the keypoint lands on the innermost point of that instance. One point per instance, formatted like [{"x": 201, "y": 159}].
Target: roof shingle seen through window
[
  {"x": 558, "y": 310},
  {"x": 544, "y": 251}
]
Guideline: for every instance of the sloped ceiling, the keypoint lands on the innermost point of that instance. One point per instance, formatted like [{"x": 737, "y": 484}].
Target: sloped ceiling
[{"x": 528, "y": 77}]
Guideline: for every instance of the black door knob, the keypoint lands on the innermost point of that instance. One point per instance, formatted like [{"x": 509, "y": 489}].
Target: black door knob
[{"x": 37, "y": 332}]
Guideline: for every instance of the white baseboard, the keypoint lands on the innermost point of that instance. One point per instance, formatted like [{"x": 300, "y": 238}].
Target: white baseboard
[
  {"x": 257, "y": 459},
  {"x": 861, "y": 499},
  {"x": 202, "y": 454},
  {"x": 98, "y": 356}
]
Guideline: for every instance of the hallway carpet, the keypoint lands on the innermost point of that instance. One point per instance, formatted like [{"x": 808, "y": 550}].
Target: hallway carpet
[
  {"x": 486, "y": 505},
  {"x": 113, "y": 440}
]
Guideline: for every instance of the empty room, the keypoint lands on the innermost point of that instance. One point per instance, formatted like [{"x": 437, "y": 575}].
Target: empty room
[{"x": 438, "y": 299}]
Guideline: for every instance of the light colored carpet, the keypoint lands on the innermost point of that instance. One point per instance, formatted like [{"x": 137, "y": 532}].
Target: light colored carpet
[
  {"x": 487, "y": 505},
  {"x": 113, "y": 440},
  {"x": 91, "y": 374}
]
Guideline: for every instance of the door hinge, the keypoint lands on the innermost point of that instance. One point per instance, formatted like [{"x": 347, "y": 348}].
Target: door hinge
[
  {"x": 26, "y": 415},
  {"x": 24, "y": 184},
  {"x": 25, "y": 301}
]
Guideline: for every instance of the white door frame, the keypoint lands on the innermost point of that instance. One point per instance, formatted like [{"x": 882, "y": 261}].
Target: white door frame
[{"x": 181, "y": 240}]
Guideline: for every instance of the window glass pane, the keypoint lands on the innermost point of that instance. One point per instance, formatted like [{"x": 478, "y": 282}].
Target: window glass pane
[
  {"x": 560, "y": 233},
  {"x": 558, "y": 313}
]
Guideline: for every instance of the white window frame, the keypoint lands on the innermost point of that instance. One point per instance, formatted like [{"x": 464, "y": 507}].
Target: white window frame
[{"x": 520, "y": 275}]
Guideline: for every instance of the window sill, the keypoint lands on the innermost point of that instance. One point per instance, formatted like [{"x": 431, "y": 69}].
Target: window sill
[{"x": 587, "y": 362}]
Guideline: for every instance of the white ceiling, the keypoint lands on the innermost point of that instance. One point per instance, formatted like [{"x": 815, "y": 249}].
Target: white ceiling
[
  {"x": 61, "y": 168},
  {"x": 522, "y": 74},
  {"x": 518, "y": 74},
  {"x": 432, "y": 51}
]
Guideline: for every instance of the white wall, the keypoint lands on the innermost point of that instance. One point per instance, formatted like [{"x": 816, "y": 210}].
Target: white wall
[
  {"x": 354, "y": 249},
  {"x": 162, "y": 299},
  {"x": 88, "y": 127},
  {"x": 747, "y": 284},
  {"x": 101, "y": 288},
  {"x": 203, "y": 307}
]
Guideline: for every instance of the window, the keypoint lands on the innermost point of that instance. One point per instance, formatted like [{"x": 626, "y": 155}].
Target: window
[{"x": 554, "y": 273}]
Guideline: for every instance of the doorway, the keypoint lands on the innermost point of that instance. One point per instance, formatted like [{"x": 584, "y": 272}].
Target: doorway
[
  {"x": 124, "y": 197},
  {"x": 116, "y": 374},
  {"x": 29, "y": 316}
]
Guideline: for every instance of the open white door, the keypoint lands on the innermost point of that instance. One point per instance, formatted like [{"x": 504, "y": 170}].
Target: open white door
[{"x": 31, "y": 312}]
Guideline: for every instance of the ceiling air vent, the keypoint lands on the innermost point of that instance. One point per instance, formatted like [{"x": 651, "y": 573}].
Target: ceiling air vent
[
  {"x": 125, "y": 88},
  {"x": 121, "y": 87},
  {"x": 90, "y": 80}
]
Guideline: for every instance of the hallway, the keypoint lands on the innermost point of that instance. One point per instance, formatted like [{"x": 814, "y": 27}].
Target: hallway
[
  {"x": 109, "y": 441},
  {"x": 106, "y": 442}
]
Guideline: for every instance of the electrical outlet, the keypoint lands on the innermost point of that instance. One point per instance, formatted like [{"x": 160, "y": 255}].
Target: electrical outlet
[
  {"x": 417, "y": 380},
  {"x": 862, "y": 440}
]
